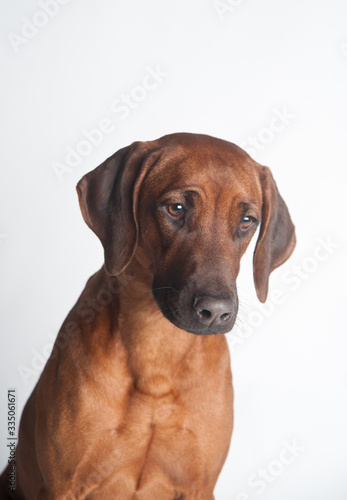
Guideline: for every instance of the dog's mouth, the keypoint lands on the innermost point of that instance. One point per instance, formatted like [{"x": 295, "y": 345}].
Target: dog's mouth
[
  {"x": 202, "y": 330},
  {"x": 204, "y": 315}
]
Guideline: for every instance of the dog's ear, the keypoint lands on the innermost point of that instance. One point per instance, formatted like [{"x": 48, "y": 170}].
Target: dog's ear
[
  {"x": 276, "y": 239},
  {"x": 108, "y": 199}
]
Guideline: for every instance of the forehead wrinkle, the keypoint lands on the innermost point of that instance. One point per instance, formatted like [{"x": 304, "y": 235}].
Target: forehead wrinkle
[
  {"x": 185, "y": 191},
  {"x": 169, "y": 176},
  {"x": 207, "y": 174},
  {"x": 231, "y": 202}
]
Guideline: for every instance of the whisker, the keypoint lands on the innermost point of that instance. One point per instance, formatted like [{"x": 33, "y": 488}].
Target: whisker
[{"x": 160, "y": 288}]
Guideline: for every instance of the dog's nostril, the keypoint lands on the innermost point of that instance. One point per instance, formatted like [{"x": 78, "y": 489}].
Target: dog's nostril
[
  {"x": 204, "y": 314},
  {"x": 225, "y": 317}
]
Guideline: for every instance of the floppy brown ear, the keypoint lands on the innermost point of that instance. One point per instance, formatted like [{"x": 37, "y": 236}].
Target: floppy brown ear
[
  {"x": 276, "y": 239},
  {"x": 107, "y": 197}
]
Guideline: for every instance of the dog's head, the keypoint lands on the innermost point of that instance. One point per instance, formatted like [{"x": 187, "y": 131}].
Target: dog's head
[{"x": 192, "y": 203}]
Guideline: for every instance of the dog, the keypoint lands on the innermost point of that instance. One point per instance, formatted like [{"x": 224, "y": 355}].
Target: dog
[{"x": 136, "y": 400}]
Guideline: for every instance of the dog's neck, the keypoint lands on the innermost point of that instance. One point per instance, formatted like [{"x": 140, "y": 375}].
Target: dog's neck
[
  {"x": 132, "y": 333},
  {"x": 155, "y": 347}
]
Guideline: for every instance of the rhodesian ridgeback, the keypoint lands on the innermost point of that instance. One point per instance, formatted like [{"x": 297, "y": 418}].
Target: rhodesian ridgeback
[{"x": 136, "y": 400}]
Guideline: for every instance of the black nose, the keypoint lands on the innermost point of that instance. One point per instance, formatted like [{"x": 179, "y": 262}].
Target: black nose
[{"x": 212, "y": 310}]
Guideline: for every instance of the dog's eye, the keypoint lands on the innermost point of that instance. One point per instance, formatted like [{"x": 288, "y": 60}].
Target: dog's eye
[
  {"x": 175, "y": 209},
  {"x": 246, "y": 222}
]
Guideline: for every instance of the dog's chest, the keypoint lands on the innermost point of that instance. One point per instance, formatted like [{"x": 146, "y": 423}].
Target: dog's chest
[{"x": 158, "y": 455}]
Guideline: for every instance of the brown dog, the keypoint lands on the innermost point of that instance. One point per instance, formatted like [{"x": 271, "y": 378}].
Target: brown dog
[{"x": 135, "y": 402}]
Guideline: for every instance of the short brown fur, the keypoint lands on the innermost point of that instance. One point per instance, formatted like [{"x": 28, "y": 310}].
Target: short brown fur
[{"x": 135, "y": 402}]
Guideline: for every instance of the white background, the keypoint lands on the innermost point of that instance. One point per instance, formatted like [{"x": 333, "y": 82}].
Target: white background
[{"x": 228, "y": 73}]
